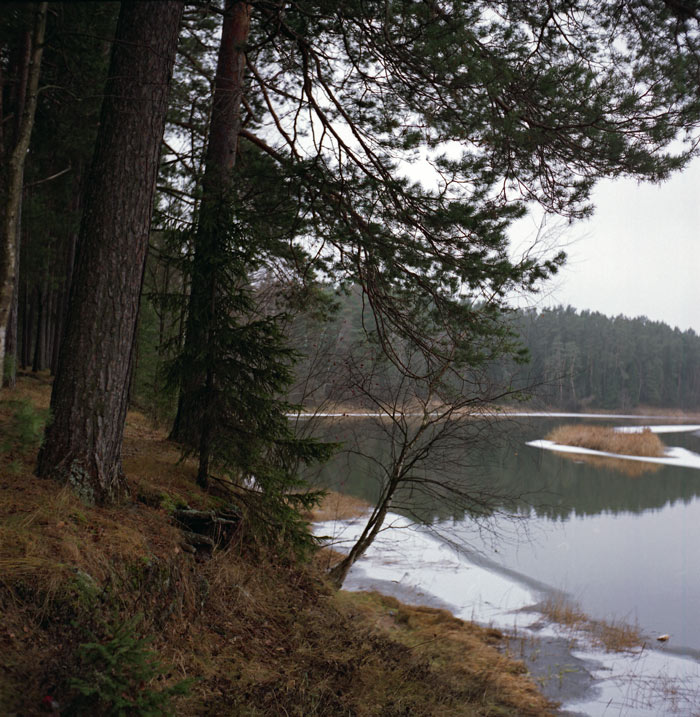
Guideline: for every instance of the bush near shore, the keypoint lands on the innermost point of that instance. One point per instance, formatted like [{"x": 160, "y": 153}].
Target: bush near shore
[{"x": 607, "y": 439}]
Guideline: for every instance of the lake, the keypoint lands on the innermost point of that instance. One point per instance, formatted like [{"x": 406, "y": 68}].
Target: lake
[{"x": 621, "y": 539}]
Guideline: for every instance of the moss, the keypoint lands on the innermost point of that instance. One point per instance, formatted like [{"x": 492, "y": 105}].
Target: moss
[
  {"x": 80, "y": 481},
  {"x": 167, "y": 503}
]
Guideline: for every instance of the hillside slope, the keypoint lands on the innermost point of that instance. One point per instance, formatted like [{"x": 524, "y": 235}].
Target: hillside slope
[{"x": 253, "y": 633}]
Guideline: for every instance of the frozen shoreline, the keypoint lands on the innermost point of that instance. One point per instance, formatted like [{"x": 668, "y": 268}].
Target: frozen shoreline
[{"x": 408, "y": 562}]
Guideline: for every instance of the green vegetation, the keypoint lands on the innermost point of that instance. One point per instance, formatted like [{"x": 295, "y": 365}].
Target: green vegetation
[
  {"x": 261, "y": 151},
  {"x": 24, "y": 429},
  {"x": 115, "y": 674}
]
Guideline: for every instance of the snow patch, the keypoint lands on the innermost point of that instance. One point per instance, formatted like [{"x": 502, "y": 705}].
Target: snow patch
[{"x": 674, "y": 455}]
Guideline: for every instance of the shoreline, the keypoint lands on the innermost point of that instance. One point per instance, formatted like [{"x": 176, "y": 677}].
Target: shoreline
[
  {"x": 408, "y": 563},
  {"x": 496, "y": 413}
]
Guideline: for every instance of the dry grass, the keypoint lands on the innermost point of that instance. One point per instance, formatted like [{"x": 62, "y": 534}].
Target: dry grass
[
  {"x": 605, "y": 438},
  {"x": 612, "y": 636},
  {"x": 262, "y": 635},
  {"x": 338, "y": 506},
  {"x": 34, "y": 387},
  {"x": 462, "y": 653}
]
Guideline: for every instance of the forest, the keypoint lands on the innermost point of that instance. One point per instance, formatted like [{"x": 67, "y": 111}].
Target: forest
[
  {"x": 574, "y": 361},
  {"x": 581, "y": 360},
  {"x": 222, "y": 213}
]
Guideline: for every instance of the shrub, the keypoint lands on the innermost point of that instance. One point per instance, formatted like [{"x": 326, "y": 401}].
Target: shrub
[
  {"x": 116, "y": 674},
  {"x": 24, "y": 429}
]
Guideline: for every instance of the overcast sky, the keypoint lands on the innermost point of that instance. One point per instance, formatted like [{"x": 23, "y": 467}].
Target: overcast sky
[{"x": 638, "y": 255}]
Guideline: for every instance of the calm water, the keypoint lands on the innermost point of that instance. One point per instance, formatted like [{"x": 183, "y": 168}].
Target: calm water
[{"x": 624, "y": 546}]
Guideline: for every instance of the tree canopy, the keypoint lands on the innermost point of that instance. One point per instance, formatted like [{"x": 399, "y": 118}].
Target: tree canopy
[
  {"x": 388, "y": 145},
  {"x": 410, "y": 135}
]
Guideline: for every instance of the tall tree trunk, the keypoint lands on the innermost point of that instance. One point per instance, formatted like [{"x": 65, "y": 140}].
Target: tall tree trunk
[
  {"x": 11, "y": 348},
  {"x": 9, "y": 375},
  {"x": 27, "y": 323},
  {"x": 50, "y": 327},
  {"x": 82, "y": 445},
  {"x": 224, "y": 129},
  {"x": 11, "y": 189},
  {"x": 62, "y": 308},
  {"x": 40, "y": 329},
  {"x": 61, "y": 303}
]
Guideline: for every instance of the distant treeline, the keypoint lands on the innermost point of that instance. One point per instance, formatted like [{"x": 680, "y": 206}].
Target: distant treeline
[
  {"x": 578, "y": 360},
  {"x": 583, "y": 359}
]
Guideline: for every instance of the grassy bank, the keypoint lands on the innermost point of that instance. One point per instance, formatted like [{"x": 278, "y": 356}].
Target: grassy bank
[
  {"x": 108, "y": 607},
  {"x": 605, "y": 438}
]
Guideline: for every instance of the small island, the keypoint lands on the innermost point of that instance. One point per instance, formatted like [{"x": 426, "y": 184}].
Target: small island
[{"x": 609, "y": 440}]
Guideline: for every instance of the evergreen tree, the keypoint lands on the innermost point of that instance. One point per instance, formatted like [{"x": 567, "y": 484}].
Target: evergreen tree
[
  {"x": 345, "y": 98},
  {"x": 82, "y": 445},
  {"x": 503, "y": 103},
  {"x": 584, "y": 360},
  {"x": 74, "y": 69},
  {"x": 213, "y": 220},
  {"x": 234, "y": 365}
]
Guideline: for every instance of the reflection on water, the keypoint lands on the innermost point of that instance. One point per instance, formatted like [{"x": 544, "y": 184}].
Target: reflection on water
[
  {"x": 623, "y": 545},
  {"x": 633, "y": 469},
  {"x": 553, "y": 485}
]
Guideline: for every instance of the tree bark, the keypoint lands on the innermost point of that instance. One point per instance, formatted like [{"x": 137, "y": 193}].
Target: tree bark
[
  {"x": 82, "y": 446},
  {"x": 11, "y": 352},
  {"x": 40, "y": 330},
  {"x": 27, "y": 323},
  {"x": 62, "y": 308},
  {"x": 339, "y": 572},
  {"x": 14, "y": 177},
  {"x": 224, "y": 130}
]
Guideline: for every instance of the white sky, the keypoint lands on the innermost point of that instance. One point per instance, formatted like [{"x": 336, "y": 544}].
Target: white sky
[{"x": 638, "y": 255}]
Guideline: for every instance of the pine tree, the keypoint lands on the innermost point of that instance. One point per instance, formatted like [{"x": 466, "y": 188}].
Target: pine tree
[
  {"x": 82, "y": 445},
  {"x": 344, "y": 98},
  {"x": 213, "y": 221},
  {"x": 235, "y": 367}
]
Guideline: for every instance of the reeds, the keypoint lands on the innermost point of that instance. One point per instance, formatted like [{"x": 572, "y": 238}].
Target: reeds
[
  {"x": 612, "y": 636},
  {"x": 338, "y": 506},
  {"x": 607, "y": 439}
]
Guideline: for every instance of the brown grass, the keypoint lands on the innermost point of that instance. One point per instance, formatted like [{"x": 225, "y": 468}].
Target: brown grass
[
  {"x": 612, "y": 636},
  {"x": 34, "y": 387},
  {"x": 463, "y": 653},
  {"x": 605, "y": 438},
  {"x": 262, "y": 635},
  {"x": 338, "y": 506}
]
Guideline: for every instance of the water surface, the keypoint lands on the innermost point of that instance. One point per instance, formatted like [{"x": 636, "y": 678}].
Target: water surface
[{"x": 620, "y": 540}]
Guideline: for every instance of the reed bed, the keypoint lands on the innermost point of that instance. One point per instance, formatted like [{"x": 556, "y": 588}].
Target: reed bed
[
  {"x": 612, "y": 636},
  {"x": 606, "y": 438}
]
